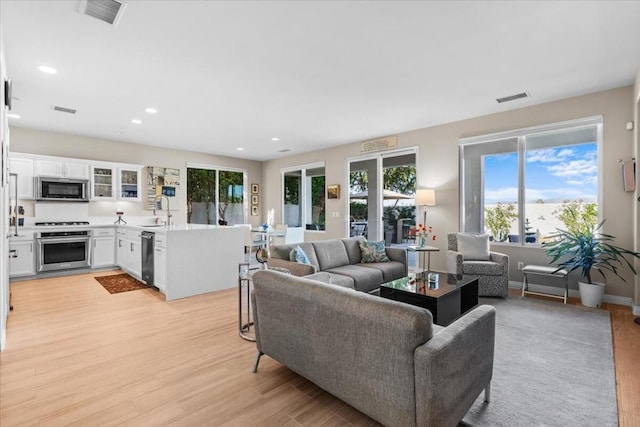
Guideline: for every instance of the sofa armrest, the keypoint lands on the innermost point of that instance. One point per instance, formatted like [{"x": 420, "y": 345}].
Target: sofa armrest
[
  {"x": 295, "y": 268},
  {"x": 399, "y": 255},
  {"x": 499, "y": 258},
  {"x": 454, "y": 262},
  {"x": 454, "y": 366}
]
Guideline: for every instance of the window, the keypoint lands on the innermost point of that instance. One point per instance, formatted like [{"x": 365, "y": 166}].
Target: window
[
  {"x": 215, "y": 196},
  {"x": 520, "y": 186},
  {"x": 303, "y": 197}
]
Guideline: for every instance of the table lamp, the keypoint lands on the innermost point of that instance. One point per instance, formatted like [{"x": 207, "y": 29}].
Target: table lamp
[{"x": 425, "y": 197}]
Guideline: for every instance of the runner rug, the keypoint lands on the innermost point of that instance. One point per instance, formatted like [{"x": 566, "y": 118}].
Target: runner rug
[
  {"x": 120, "y": 283},
  {"x": 553, "y": 366}
]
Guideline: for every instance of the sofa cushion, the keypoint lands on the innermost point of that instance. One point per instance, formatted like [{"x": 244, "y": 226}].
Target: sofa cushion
[
  {"x": 473, "y": 246},
  {"x": 484, "y": 268},
  {"x": 299, "y": 256},
  {"x": 283, "y": 251},
  {"x": 364, "y": 279},
  {"x": 352, "y": 245},
  {"x": 373, "y": 251},
  {"x": 332, "y": 279},
  {"x": 391, "y": 270},
  {"x": 330, "y": 253}
]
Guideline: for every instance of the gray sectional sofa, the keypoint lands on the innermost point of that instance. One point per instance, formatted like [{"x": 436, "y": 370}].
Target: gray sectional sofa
[
  {"x": 341, "y": 259},
  {"x": 385, "y": 358}
]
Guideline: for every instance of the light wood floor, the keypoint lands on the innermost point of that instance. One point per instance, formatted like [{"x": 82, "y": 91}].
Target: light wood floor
[{"x": 77, "y": 355}]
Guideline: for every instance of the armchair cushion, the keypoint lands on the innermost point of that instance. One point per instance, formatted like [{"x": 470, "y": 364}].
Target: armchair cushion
[{"x": 473, "y": 246}]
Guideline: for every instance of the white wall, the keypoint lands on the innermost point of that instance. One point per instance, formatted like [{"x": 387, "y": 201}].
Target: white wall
[
  {"x": 437, "y": 165},
  {"x": 34, "y": 141},
  {"x": 4, "y": 212},
  {"x": 636, "y": 208}
]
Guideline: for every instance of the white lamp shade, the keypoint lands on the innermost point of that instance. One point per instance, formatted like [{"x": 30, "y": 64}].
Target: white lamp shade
[{"x": 425, "y": 197}]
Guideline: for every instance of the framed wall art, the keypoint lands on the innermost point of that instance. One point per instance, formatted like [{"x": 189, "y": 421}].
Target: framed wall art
[
  {"x": 255, "y": 188},
  {"x": 333, "y": 191},
  {"x": 254, "y": 210},
  {"x": 255, "y": 199}
]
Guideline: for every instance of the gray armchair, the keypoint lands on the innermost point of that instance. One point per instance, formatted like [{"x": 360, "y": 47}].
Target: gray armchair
[{"x": 493, "y": 273}]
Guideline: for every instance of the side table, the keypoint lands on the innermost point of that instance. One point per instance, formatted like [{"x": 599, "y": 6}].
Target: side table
[
  {"x": 424, "y": 250},
  {"x": 245, "y": 308}
]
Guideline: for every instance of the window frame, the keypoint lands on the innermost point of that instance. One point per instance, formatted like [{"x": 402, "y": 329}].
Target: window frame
[
  {"x": 521, "y": 135},
  {"x": 305, "y": 196},
  {"x": 245, "y": 184}
]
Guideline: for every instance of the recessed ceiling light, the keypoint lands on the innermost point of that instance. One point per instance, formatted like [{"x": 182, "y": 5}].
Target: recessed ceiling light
[
  {"x": 275, "y": 139},
  {"x": 136, "y": 121},
  {"x": 46, "y": 69},
  {"x": 13, "y": 116},
  {"x": 240, "y": 149},
  {"x": 151, "y": 110},
  {"x": 118, "y": 132}
]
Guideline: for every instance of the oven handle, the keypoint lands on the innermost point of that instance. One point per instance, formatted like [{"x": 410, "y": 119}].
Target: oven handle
[{"x": 41, "y": 240}]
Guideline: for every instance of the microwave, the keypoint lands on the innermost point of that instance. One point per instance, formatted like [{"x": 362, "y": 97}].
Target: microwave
[{"x": 62, "y": 189}]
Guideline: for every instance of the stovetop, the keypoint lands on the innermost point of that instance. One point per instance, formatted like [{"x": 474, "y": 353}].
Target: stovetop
[{"x": 61, "y": 223}]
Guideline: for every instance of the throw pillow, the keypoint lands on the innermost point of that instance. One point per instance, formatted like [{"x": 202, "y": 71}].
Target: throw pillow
[
  {"x": 474, "y": 247},
  {"x": 373, "y": 251},
  {"x": 298, "y": 255}
]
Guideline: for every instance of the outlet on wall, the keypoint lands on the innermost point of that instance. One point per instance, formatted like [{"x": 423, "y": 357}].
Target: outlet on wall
[{"x": 520, "y": 265}]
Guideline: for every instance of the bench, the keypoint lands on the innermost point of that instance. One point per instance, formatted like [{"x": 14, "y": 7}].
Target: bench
[{"x": 545, "y": 271}]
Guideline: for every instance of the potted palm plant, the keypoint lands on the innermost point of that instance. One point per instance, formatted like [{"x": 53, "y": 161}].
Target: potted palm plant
[{"x": 588, "y": 249}]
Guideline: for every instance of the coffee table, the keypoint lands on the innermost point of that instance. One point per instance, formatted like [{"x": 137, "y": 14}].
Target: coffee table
[{"x": 447, "y": 297}]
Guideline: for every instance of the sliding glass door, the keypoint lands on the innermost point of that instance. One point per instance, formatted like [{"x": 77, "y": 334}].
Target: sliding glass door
[
  {"x": 382, "y": 196},
  {"x": 215, "y": 196}
]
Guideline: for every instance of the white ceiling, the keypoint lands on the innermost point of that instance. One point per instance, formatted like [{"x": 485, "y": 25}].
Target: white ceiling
[{"x": 315, "y": 74}]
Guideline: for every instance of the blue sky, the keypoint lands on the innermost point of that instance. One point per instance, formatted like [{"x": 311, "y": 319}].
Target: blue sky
[{"x": 552, "y": 174}]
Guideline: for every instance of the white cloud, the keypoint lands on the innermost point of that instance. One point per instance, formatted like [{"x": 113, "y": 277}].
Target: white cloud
[
  {"x": 504, "y": 195},
  {"x": 549, "y": 155}
]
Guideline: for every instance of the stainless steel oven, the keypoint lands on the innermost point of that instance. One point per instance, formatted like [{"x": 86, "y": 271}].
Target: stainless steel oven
[{"x": 61, "y": 250}]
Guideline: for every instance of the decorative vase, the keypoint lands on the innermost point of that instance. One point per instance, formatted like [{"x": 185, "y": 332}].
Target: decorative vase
[
  {"x": 423, "y": 241},
  {"x": 591, "y": 294}
]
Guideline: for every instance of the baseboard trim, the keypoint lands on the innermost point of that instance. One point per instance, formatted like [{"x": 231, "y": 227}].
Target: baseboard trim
[
  {"x": 556, "y": 290},
  {"x": 635, "y": 309}
]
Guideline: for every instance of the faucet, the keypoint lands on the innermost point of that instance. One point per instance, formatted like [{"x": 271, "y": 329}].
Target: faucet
[{"x": 169, "y": 215}]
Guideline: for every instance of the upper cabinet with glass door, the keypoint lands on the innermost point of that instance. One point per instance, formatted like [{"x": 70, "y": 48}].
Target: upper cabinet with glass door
[
  {"x": 103, "y": 182},
  {"x": 129, "y": 183}
]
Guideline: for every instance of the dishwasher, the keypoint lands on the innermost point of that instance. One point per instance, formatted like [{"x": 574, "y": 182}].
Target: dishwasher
[{"x": 148, "y": 243}]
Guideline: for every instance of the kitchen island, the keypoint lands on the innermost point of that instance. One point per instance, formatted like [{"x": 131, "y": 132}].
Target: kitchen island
[
  {"x": 188, "y": 260},
  {"x": 194, "y": 259}
]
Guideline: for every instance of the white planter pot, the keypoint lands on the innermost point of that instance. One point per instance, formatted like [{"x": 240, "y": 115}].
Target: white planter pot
[{"x": 591, "y": 294}]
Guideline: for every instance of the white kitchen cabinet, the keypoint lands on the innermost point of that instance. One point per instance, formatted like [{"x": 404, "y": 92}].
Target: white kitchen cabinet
[
  {"x": 129, "y": 184},
  {"x": 129, "y": 251},
  {"x": 160, "y": 263},
  {"x": 121, "y": 247},
  {"x": 62, "y": 168},
  {"x": 24, "y": 169},
  {"x": 103, "y": 248},
  {"x": 103, "y": 182},
  {"x": 22, "y": 256}
]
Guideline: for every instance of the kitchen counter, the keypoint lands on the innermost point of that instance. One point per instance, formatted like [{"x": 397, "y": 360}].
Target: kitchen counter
[{"x": 192, "y": 258}]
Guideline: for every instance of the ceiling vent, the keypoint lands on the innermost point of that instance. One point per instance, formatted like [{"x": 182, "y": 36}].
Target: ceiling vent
[
  {"x": 284, "y": 150},
  {"x": 109, "y": 11},
  {"x": 64, "y": 109},
  {"x": 513, "y": 97}
]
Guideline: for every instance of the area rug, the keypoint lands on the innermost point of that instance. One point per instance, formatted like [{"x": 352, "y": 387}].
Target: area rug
[
  {"x": 120, "y": 283},
  {"x": 553, "y": 366}
]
